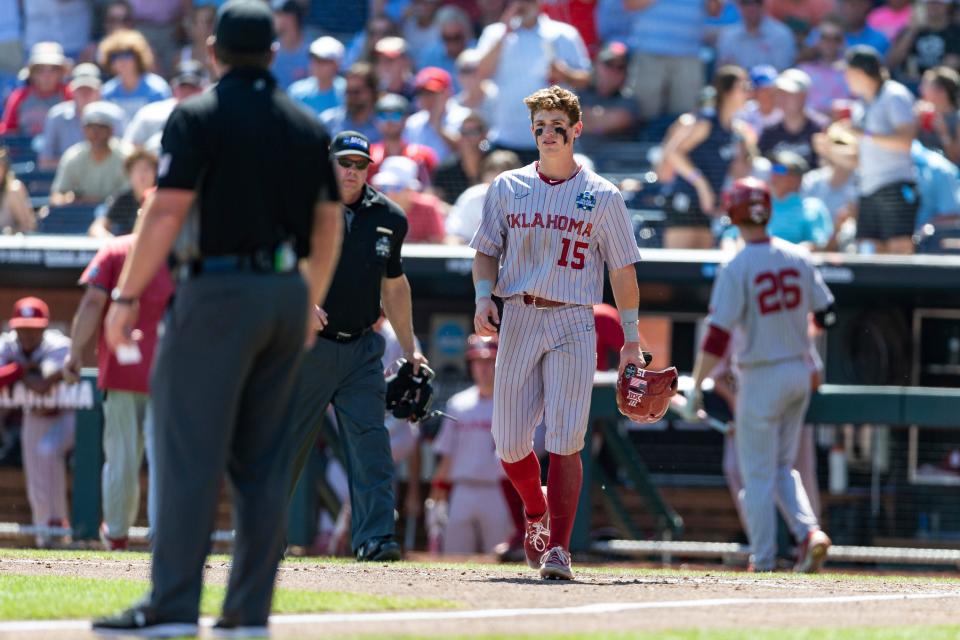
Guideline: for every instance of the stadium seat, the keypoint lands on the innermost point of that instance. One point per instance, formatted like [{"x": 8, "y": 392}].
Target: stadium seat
[
  {"x": 71, "y": 219},
  {"x": 37, "y": 182},
  {"x": 19, "y": 148}
]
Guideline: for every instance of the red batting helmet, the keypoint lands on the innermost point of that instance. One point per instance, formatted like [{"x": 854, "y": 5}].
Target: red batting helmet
[
  {"x": 481, "y": 348},
  {"x": 643, "y": 395},
  {"x": 748, "y": 202}
]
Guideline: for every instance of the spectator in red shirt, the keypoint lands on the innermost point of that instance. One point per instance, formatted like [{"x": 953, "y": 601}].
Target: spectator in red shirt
[
  {"x": 397, "y": 179},
  {"x": 125, "y": 386},
  {"x": 26, "y": 108},
  {"x": 391, "y": 117},
  {"x": 579, "y": 13}
]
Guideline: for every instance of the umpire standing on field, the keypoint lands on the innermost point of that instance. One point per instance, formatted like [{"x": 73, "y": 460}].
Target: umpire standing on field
[
  {"x": 245, "y": 180},
  {"x": 344, "y": 366}
]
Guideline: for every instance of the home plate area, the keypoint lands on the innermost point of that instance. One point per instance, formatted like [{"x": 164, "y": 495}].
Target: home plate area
[{"x": 512, "y": 600}]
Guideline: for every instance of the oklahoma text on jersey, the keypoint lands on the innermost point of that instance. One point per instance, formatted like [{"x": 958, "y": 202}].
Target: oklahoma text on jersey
[{"x": 558, "y": 222}]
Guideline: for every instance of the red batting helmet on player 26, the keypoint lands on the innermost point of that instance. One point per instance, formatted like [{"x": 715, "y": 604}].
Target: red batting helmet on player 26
[
  {"x": 644, "y": 395},
  {"x": 748, "y": 201}
]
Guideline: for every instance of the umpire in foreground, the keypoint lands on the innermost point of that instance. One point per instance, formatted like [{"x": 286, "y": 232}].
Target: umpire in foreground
[
  {"x": 344, "y": 366},
  {"x": 245, "y": 180}
]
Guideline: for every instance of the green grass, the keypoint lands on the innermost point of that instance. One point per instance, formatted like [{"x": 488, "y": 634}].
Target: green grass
[{"x": 67, "y": 597}]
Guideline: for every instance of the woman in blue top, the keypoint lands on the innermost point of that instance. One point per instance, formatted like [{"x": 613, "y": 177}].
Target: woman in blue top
[
  {"x": 699, "y": 150},
  {"x": 127, "y": 55}
]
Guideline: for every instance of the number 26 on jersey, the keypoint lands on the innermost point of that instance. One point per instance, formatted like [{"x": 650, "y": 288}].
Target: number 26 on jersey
[{"x": 778, "y": 290}]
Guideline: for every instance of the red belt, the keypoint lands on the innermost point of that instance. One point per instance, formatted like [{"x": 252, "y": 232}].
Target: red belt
[{"x": 541, "y": 303}]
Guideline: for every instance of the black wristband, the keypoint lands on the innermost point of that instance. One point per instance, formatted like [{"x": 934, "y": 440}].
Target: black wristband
[{"x": 117, "y": 298}]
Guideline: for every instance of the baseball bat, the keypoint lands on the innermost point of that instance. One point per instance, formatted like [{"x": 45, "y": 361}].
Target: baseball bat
[{"x": 679, "y": 404}]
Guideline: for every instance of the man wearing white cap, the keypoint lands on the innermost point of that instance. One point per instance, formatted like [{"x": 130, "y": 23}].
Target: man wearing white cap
[
  {"x": 324, "y": 88},
  {"x": 397, "y": 179},
  {"x": 63, "y": 127},
  {"x": 27, "y": 107},
  {"x": 795, "y": 130},
  {"x": 91, "y": 170}
]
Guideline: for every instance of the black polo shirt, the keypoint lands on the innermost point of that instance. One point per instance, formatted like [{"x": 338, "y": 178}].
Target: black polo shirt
[
  {"x": 370, "y": 252},
  {"x": 258, "y": 162}
]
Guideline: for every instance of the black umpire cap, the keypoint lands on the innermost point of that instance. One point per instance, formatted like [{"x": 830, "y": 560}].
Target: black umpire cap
[
  {"x": 245, "y": 26},
  {"x": 350, "y": 143}
]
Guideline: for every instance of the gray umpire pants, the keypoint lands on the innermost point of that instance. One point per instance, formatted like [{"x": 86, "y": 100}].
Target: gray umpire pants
[
  {"x": 350, "y": 375},
  {"x": 222, "y": 387}
]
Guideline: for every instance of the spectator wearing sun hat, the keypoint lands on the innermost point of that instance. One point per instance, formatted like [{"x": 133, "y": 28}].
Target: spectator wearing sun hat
[
  {"x": 324, "y": 88},
  {"x": 436, "y": 124},
  {"x": 92, "y": 170},
  {"x": 27, "y": 107},
  {"x": 397, "y": 179},
  {"x": 33, "y": 354},
  {"x": 63, "y": 127}
]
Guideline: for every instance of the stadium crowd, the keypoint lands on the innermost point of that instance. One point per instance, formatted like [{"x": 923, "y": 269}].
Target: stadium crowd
[
  {"x": 848, "y": 108},
  {"x": 838, "y": 103}
]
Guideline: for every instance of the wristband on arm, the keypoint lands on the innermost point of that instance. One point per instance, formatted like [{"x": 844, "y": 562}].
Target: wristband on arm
[
  {"x": 484, "y": 289},
  {"x": 629, "y": 320}
]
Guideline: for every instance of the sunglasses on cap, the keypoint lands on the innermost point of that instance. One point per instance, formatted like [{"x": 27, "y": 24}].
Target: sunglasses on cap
[
  {"x": 360, "y": 165},
  {"x": 390, "y": 116}
]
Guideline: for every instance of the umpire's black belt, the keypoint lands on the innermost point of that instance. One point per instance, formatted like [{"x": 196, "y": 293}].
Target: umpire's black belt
[
  {"x": 256, "y": 262},
  {"x": 344, "y": 336}
]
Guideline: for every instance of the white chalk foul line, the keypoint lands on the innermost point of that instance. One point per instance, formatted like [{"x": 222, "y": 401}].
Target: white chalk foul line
[{"x": 25, "y": 626}]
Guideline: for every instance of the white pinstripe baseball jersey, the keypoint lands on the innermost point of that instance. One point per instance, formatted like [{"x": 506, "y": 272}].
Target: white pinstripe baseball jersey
[
  {"x": 768, "y": 289},
  {"x": 553, "y": 238},
  {"x": 468, "y": 440}
]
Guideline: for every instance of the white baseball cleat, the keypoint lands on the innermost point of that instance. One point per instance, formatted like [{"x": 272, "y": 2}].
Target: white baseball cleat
[
  {"x": 812, "y": 552},
  {"x": 556, "y": 565}
]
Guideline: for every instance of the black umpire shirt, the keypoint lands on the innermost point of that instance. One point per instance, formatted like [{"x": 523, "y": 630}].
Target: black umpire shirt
[
  {"x": 373, "y": 233},
  {"x": 258, "y": 162}
]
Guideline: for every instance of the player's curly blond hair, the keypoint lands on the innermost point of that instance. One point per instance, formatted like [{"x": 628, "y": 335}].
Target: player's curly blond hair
[{"x": 554, "y": 99}]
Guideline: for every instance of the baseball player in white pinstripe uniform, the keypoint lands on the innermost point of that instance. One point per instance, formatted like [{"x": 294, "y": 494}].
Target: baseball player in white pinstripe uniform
[
  {"x": 769, "y": 290},
  {"x": 546, "y": 231}
]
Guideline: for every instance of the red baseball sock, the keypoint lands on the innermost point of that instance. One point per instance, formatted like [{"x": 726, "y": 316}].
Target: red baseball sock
[
  {"x": 515, "y": 506},
  {"x": 564, "y": 478},
  {"x": 525, "y": 476}
]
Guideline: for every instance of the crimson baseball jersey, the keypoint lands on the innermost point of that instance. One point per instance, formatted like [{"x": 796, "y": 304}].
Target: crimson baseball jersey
[
  {"x": 768, "y": 289},
  {"x": 552, "y": 237}
]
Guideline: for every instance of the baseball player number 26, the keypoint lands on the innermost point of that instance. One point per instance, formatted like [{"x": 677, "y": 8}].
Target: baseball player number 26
[
  {"x": 778, "y": 290},
  {"x": 578, "y": 256}
]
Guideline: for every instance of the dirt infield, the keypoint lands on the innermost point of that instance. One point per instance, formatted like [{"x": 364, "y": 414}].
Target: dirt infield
[{"x": 512, "y": 599}]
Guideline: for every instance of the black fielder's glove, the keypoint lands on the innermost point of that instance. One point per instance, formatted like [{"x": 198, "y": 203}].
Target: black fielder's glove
[{"x": 409, "y": 396}]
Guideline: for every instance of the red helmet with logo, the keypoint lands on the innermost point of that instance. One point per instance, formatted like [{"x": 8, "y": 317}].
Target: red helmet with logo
[
  {"x": 481, "y": 348},
  {"x": 748, "y": 202},
  {"x": 644, "y": 395}
]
